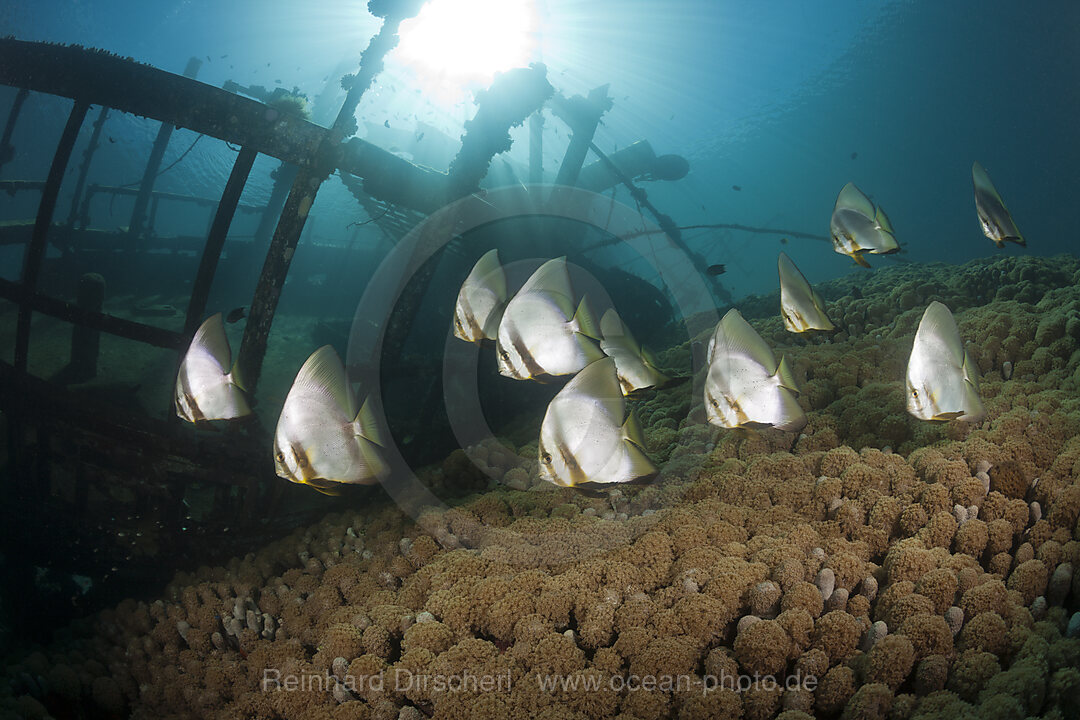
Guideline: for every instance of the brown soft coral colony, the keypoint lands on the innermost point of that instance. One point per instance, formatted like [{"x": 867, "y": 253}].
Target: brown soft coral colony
[{"x": 871, "y": 566}]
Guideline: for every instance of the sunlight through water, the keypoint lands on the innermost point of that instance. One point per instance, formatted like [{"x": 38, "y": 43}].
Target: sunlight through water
[{"x": 455, "y": 44}]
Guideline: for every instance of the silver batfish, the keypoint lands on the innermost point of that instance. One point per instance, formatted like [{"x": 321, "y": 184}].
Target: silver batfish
[
  {"x": 745, "y": 386},
  {"x": 801, "y": 307},
  {"x": 481, "y": 300},
  {"x": 859, "y": 227},
  {"x": 942, "y": 380},
  {"x": 584, "y": 439},
  {"x": 206, "y": 387},
  {"x": 997, "y": 223},
  {"x": 541, "y": 335},
  {"x": 322, "y": 438}
]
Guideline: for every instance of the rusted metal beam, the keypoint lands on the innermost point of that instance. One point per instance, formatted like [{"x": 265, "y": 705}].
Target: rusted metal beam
[
  {"x": 215, "y": 240},
  {"x": 70, "y": 312},
  {"x": 100, "y": 78},
  {"x": 35, "y": 251}
]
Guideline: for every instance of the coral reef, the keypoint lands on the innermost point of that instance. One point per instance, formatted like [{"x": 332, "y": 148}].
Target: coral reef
[{"x": 908, "y": 570}]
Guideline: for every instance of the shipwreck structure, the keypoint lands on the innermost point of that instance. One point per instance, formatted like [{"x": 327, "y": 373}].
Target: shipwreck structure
[{"x": 105, "y": 474}]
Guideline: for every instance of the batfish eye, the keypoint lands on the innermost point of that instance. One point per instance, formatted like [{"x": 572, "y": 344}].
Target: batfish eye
[
  {"x": 714, "y": 403},
  {"x": 279, "y": 456},
  {"x": 546, "y": 457},
  {"x": 914, "y": 393},
  {"x": 505, "y": 355}
]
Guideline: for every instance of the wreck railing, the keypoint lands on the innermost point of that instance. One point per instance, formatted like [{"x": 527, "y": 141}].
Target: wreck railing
[
  {"x": 397, "y": 189},
  {"x": 92, "y": 77}
]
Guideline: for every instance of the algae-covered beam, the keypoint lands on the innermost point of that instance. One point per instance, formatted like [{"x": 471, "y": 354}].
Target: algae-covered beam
[
  {"x": 100, "y": 78},
  {"x": 394, "y": 180},
  {"x": 35, "y": 251},
  {"x": 306, "y": 185},
  {"x": 513, "y": 96},
  {"x": 582, "y": 114}
]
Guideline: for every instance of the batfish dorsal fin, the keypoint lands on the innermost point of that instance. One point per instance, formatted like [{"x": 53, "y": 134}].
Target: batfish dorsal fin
[
  {"x": 740, "y": 338},
  {"x": 551, "y": 277},
  {"x": 790, "y": 276},
  {"x": 939, "y": 323},
  {"x": 323, "y": 372},
  {"x": 489, "y": 271},
  {"x": 983, "y": 184},
  {"x": 211, "y": 336},
  {"x": 600, "y": 381},
  {"x": 852, "y": 198}
]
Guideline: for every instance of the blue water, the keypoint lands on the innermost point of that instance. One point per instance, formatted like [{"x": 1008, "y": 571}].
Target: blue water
[{"x": 772, "y": 97}]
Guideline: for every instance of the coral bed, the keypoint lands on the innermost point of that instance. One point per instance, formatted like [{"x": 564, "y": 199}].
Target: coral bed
[{"x": 898, "y": 569}]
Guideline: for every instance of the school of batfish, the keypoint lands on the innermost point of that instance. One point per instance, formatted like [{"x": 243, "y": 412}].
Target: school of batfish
[{"x": 326, "y": 437}]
